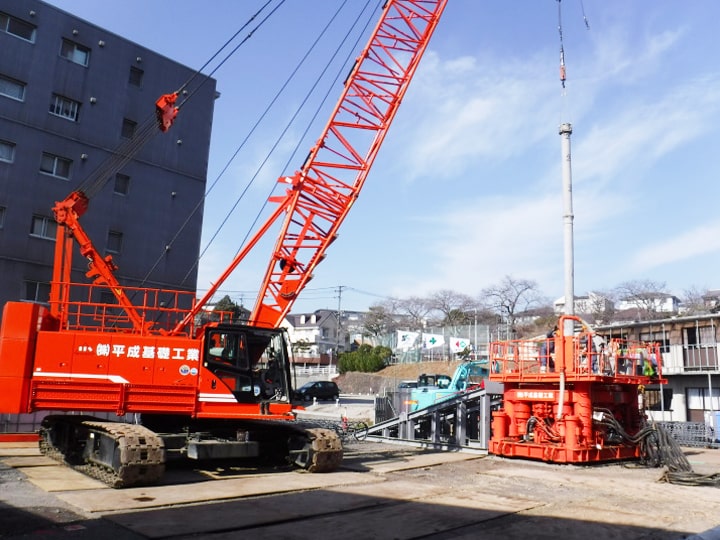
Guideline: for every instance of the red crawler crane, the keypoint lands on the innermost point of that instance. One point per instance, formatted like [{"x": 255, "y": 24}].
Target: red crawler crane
[{"x": 215, "y": 390}]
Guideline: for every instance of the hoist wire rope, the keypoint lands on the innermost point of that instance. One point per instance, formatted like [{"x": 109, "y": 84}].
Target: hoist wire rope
[
  {"x": 232, "y": 52},
  {"x": 282, "y": 134},
  {"x": 122, "y": 155}
]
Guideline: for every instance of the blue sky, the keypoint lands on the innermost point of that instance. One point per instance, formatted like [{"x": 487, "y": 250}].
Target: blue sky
[{"x": 468, "y": 186}]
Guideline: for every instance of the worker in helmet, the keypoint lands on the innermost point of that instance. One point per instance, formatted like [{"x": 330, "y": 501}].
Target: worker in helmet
[{"x": 547, "y": 351}]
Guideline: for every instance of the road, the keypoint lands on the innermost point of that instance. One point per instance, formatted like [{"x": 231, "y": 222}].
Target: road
[{"x": 382, "y": 491}]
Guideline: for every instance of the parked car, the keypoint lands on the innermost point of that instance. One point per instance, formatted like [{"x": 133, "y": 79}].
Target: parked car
[
  {"x": 407, "y": 384},
  {"x": 322, "y": 390}
]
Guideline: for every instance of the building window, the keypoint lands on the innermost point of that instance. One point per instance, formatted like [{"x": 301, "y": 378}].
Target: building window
[
  {"x": 128, "y": 128},
  {"x": 12, "y": 88},
  {"x": 75, "y": 52},
  {"x": 62, "y": 106},
  {"x": 136, "y": 76},
  {"x": 7, "y": 151},
  {"x": 43, "y": 227},
  {"x": 114, "y": 242},
  {"x": 17, "y": 28},
  {"x": 699, "y": 401},
  {"x": 55, "y": 165},
  {"x": 122, "y": 184},
  {"x": 107, "y": 297},
  {"x": 2, "y": 216},
  {"x": 37, "y": 291}
]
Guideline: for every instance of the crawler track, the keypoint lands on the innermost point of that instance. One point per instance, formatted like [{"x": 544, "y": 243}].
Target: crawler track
[
  {"x": 117, "y": 454},
  {"x": 123, "y": 455}
]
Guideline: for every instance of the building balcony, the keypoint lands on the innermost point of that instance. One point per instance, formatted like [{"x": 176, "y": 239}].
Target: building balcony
[{"x": 690, "y": 359}]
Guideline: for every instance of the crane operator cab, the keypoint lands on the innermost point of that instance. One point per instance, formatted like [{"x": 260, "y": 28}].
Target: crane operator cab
[{"x": 252, "y": 362}]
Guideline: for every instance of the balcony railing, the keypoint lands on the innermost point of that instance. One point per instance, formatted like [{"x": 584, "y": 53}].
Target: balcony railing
[{"x": 683, "y": 359}]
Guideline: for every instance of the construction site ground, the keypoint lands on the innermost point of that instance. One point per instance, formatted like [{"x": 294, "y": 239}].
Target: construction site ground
[{"x": 382, "y": 491}]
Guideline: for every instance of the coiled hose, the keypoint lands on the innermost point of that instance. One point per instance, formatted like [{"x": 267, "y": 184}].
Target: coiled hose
[{"x": 659, "y": 449}]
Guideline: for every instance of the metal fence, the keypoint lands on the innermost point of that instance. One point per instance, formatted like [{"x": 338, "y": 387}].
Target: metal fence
[
  {"x": 315, "y": 370},
  {"x": 692, "y": 434}
]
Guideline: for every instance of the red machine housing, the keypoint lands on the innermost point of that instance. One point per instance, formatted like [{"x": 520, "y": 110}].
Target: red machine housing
[
  {"x": 572, "y": 397},
  {"x": 106, "y": 370}
]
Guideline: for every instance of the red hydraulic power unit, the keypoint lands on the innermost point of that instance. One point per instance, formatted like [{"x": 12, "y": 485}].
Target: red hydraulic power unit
[{"x": 573, "y": 396}]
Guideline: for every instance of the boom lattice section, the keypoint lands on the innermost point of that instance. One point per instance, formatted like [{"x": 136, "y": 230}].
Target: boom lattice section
[{"x": 319, "y": 196}]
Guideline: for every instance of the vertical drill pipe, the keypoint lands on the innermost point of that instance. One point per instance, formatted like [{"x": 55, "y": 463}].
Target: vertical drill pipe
[{"x": 565, "y": 131}]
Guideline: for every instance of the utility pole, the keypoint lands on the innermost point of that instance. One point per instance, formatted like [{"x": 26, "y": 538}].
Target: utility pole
[{"x": 337, "y": 319}]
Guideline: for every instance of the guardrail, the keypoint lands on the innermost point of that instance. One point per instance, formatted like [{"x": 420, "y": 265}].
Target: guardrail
[{"x": 316, "y": 370}]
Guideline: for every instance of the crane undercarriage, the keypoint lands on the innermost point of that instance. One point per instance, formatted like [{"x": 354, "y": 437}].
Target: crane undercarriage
[{"x": 123, "y": 454}]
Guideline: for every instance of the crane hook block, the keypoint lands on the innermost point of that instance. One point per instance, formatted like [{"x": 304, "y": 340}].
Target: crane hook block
[{"x": 166, "y": 111}]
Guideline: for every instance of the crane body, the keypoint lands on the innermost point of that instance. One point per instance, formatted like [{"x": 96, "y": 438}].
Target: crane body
[{"x": 202, "y": 390}]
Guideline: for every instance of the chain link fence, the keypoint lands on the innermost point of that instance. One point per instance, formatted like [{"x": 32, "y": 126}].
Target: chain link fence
[{"x": 697, "y": 434}]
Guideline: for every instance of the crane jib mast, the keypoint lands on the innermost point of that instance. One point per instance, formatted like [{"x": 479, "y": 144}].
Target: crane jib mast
[{"x": 318, "y": 196}]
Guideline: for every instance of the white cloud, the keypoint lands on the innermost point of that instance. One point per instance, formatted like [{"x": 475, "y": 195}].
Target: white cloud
[
  {"x": 645, "y": 131},
  {"x": 684, "y": 246}
]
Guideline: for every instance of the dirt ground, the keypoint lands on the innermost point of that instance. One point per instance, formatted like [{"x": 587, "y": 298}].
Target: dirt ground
[
  {"x": 383, "y": 491},
  {"x": 387, "y": 379}
]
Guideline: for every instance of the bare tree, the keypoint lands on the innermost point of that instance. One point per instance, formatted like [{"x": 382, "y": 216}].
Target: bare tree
[
  {"x": 456, "y": 308},
  {"x": 694, "y": 301},
  {"x": 379, "y": 321},
  {"x": 642, "y": 295},
  {"x": 601, "y": 306},
  {"x": 416, "y": 309},
  {"x": 510, "y": 297}
]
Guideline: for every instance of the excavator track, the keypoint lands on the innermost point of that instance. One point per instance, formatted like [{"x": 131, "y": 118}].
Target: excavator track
[{"x": 118, "y": 454}]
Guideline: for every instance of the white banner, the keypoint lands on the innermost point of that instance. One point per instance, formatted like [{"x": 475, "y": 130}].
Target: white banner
[
  {"x": 430, "y": 341},
  {"x": 406, "y": 340},
  {"x": 459, "y": 344}
]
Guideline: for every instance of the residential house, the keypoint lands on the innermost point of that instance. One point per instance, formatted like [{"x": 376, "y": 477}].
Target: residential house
[
  {"x": 593, "y": 303},
  {"x": 654, "y": 302},
  {"x": 315, "y": 337},
  {"x": 711, "y": 299},
  {"x": 318, "y": 337}
]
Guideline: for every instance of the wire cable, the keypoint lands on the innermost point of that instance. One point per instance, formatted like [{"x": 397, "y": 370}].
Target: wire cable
[
  {"x": 281, "y": 136},
  {"x": 659, "y": 449}
]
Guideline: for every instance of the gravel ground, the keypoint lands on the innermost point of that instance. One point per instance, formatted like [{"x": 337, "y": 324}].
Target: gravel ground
[{"x": 503, "y": 498}]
